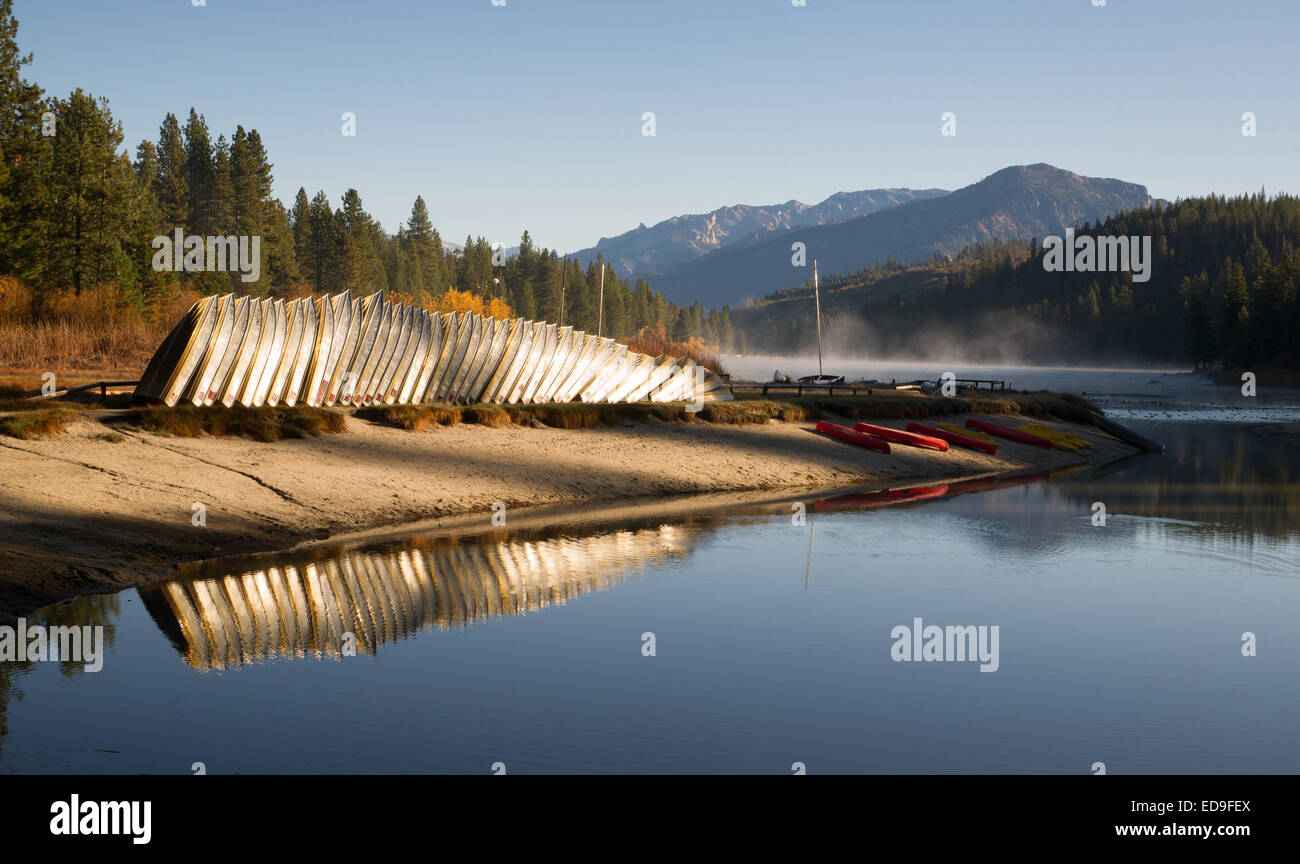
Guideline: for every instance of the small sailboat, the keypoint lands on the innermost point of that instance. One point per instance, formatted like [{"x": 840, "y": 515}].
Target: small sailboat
[{"x": 821, "y": 378}]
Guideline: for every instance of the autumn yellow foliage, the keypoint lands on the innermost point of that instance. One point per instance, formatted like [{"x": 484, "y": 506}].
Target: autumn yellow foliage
[{"x": 461, "y": 302}]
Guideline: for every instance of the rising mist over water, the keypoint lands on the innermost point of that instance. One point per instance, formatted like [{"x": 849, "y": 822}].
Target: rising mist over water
[
  {"x": 1019, "y": 376},
  {"x": 991, "y": 339}
]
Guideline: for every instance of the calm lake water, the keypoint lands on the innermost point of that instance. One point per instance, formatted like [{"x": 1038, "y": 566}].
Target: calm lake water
[{"x": 773, "y": 644}]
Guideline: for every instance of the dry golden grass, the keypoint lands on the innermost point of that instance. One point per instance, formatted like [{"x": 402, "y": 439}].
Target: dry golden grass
[
  {"x": 412, "y": 418},
  {"x": 564, "y": 415},
  {"x": 580, "y": 415},
  {"x": 753, "y": 411},
  {"x": 72, "y": 334},
  {"x": 486, "y": 415},
  {"x": 259, "y": 424},
  {"x": 63, "y": 345},
  {"x": 37, "y": 424}
]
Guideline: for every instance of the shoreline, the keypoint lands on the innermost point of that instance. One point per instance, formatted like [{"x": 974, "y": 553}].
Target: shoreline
[{"x": 81, "y": 514}]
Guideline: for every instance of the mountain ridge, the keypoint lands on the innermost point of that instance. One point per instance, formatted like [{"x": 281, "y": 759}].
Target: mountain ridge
[
  {"x": 648, "y": 251},
  {"x": 1016, "y": 202}
]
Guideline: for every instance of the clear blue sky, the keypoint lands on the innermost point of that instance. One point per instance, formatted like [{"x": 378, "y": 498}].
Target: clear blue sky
[{"x": 529, "y": 115}]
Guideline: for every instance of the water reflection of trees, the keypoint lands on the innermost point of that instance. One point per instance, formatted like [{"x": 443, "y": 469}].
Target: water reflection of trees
[
  {"x": 317, "y": 606},
  {"x": 1227, "y": 478},
  {"x": 95, "y": 610}
]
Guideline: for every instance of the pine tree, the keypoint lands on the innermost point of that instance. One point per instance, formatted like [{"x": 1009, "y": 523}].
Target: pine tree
[
  {"x": 221, "y": 207},
  {"x": 89, "y": 193},
  {"x": 151, "y": 287},
  {"x": 280, "y": 268},
  {"x": 1234, "y": 321},
  {"x": 146, "y": 165},
  {"x": 200, "y": 176},
  {"x": 727, "y": 334},
  {"x": 23, "y": 153},
  {"x": 428, "y": 277},
  {"x": 321, "y": 244},
  {"x": 1267, "y": 313},
  {"x": 361, "y": 268},
  {"x": 1198, "y": 330},
  {"x": 171, "y": 187},
  {"x": 245, "y": 198},
  {"x": 300, "y": 225}
]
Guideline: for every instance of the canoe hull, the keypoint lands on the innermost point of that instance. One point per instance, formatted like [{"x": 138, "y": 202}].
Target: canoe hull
[
  {"x": 911, "y": 439},
  {"x": 849, "y": 436}
]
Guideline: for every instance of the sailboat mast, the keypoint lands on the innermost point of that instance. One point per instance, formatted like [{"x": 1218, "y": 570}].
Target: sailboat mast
[
  {"x": 817, "y": 296},
  {"x": 563, "y": 273},
  {"x": 600, "y": 316}
]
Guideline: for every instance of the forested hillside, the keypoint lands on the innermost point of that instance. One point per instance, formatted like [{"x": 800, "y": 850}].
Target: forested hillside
[{"x": 1223, "y": 287}]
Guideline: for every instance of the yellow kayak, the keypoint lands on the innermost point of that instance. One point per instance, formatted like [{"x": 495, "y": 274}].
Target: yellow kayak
[
  {"x": 1061, "y": 440},
  {"x": 962, "y": 430}
]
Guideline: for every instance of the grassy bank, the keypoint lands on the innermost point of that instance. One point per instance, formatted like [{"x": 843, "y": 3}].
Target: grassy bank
[
  {"x": 37, "y": 424},
  {"x": 274, "y": 424},
  {"x": 879, "y": 406},
  {"x": 259, "y": 424}
]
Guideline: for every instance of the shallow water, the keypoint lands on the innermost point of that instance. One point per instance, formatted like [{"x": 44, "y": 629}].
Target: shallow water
[
  {"x": 1152, "y": 393},
  {"x": 1119, "y": 644}
]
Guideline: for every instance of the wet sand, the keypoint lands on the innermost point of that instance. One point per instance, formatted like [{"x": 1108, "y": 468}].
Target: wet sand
[{"x": 79, "y": 513}]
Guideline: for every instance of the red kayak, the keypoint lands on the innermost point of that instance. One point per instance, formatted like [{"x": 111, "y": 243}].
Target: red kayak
[
  {"x": 1008, "y": 433},
  {"x": 865, "y": 500},
  {"x": 1024, "y": 479},
  {"x": 851, "y": 437},
  {"x": 954, "y": 438},
  {"x": 900, "y": 437},
  {"x": 966, "y": 487}
]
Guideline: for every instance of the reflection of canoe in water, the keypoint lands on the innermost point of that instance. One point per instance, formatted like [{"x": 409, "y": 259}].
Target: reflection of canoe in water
[
  {"x": 1008, "y": 433},
  {"x": 957, "y": 438},
  {"x": 850, "y": 437},
  {"x": 885, "y": 497},
  {"x": 1023, "y": 479},
  {"x": 897, "y": 436},
  {"x": 966, "y": 487},
  {"x": 301, "y": 606}
]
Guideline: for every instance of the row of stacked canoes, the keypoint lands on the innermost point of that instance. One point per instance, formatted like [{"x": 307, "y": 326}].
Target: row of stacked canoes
[{"x": 359, "y": 351}]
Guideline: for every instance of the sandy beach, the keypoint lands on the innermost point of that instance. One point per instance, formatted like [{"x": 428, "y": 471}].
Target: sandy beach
[{"x": 80, "y": 513}]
